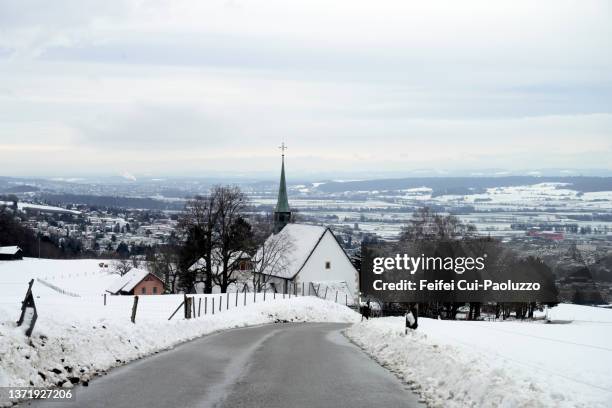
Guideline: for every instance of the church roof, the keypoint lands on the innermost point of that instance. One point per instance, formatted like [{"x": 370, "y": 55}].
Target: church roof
[
  {"x": 282, "y": 205},
  {"x": 303, "y": 240}
]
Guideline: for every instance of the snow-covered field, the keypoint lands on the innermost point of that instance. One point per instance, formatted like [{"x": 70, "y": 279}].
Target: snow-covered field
[
  {"x": 499, "y": 364},
  {"x": 76, "y": 336}
]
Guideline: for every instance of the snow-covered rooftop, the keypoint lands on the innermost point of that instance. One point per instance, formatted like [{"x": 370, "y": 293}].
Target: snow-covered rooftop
[
  {"x": 217, "y": 261},
  {"x": 128, "y": 281},
  {"x": 303, "y": 239},
  {"x": 9, "y": 250}
]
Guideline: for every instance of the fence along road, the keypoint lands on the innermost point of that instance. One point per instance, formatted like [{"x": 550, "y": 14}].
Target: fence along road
[{"x": 281, "y": 365}]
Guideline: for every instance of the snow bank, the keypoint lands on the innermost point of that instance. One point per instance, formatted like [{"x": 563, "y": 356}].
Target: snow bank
[
  {"x": 577, "y": 313},
  {"x": 76, "y": 349},
  {"x": 495, "y": 364},
  {"x": 77, "y": 335}
]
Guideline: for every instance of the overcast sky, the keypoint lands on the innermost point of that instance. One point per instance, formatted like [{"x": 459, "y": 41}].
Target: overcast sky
[{"x": 201, "y": 87}]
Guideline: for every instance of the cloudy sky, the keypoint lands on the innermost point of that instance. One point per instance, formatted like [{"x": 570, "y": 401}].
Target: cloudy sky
[{"x": 204, "y": 87}]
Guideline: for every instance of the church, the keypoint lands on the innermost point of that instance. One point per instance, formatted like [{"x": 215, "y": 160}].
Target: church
[{"x": 311, "y": 255}]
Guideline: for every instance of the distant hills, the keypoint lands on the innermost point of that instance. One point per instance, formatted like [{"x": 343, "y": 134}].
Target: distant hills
[
  {"x": 466, "y": 185},
  {"x": 21, "y": 188},
  {"x": 170, "y": 194}
]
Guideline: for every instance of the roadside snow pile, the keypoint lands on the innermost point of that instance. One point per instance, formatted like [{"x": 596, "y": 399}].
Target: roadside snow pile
[
  {"x": 67, "y": 347},
  {"x": 581, "y": 314},
  {"x": 497, "y": 364}
]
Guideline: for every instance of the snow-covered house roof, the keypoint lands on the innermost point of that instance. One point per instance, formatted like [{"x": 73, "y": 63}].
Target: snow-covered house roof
[
  {"x": 303, "y": 240},
  {"x": 9, "y": 250},
  {"x": 128, "y": 281},
  {"x": 216, "y": 260}
]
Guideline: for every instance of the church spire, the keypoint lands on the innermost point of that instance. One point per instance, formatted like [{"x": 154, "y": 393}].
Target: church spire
[{"x": 282, "y": 213}]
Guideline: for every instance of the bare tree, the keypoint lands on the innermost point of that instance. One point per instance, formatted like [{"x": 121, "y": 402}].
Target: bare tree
[
  {"x": 424, "y": 233},
  {"x": 271, "y": 258},
  {"x": 427, "y": 224},
  {"x": 197, "y": 225},
  {"x": 136, "y": 261},
  {"x": 232, "y": 231},
  {"x": 215, "y": 230},
  {"x": 164, "y": 263},
  {"x": 121, "y": 266}
]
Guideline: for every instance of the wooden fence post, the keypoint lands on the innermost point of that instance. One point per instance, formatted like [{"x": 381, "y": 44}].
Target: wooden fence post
[
  {"x": 213, "y": 305},
  {"x": 226, "y": 300},
  {"x": 254, "y": 296},
  {"x": 134, "y": 307},
  {"x": 28, "y": 303},
  {"x": 193, "y": 313},
  {"x": 177, "y": 309},
  {"x": 336, "y": 296},
  {"x": 205, "y": 305},
  {"x": 325, "y": 296},
  {"x": 199, "y": 306},
  {"x": 187, "y": 307},
  {"x": 302, "y": 288},
  {"x": 346, "y": 296},
  {"x": 105, "y": 299},
  {"x": 264, "y": 294},
  {"x": 245, "y": 298},
  {"x": 220, "y": 302},
  {"x": 236, "y": 297}
]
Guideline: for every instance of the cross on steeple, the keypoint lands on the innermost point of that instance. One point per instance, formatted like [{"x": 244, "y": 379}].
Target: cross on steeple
[{"x": 283, "y": 147}]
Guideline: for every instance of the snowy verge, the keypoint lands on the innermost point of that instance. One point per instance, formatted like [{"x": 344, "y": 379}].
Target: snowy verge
[
  {"x": 63, "y": 352},
  {"x": 448, "y": 373}
]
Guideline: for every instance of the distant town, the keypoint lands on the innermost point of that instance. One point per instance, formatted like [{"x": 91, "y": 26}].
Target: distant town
[{"x": 565, "y": 221}]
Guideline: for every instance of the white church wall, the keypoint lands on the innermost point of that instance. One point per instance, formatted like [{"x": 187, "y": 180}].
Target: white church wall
[{"x": 340, "y": 269}]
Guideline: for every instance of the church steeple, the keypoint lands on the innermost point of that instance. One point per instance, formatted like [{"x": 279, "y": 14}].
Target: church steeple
[{"x": 282, "y": 213}]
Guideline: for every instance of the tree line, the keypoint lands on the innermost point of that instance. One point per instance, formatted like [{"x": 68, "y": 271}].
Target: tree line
[
  {"x": 432, "y": 232},
  {"x": 12, "y": 232}
]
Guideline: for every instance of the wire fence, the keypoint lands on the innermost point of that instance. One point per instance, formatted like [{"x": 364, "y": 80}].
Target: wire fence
[
  {"x": 169, "y": 306},
  {"x": 57, "y": 289}
]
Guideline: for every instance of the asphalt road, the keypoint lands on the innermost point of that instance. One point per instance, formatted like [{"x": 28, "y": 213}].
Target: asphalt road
[{"x": 283, "y": 365}]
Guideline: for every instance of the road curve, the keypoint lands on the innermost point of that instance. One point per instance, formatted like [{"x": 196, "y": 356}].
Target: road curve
[{"x": 282, "y": 365}]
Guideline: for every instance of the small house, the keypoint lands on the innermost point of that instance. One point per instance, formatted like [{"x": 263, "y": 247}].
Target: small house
[
  {"x": 137, "y": 282},
  {"x": 10, "y": 253}
]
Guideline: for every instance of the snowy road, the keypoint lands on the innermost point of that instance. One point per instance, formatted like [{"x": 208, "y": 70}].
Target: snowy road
[{"x": 283, "y": 365}]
